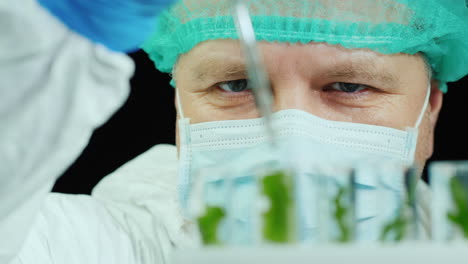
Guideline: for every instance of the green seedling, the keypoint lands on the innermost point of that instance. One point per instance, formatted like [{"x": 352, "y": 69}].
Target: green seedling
[
  {"x": 397, "y": 226},
  {"x": 343, "y": 214},
  {"x": 397, "y": 229},
  {"x": 278, "y": 220},
  {"x": 459, "y": 216},
  {"x": 209, "y": 224}
]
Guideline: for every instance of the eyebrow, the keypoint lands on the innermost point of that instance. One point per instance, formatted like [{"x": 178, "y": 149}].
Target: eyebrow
[
  {"x": 353, "y": 72},
  {"x": 216, "y": 69}
]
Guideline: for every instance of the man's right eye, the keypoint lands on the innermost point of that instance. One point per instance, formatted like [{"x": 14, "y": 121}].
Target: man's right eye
[{"x": 236, "y": 86}]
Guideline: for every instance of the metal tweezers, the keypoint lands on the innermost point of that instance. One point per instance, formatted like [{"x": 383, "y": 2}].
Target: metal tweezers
[{"x": 257, "y": 75}]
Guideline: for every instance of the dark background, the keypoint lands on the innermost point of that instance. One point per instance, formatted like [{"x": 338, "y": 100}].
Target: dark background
[{"x": 148, "y": 118}]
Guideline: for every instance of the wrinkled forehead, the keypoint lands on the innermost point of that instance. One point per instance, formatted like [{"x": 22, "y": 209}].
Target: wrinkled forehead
[{"x": 368, "y": 11}]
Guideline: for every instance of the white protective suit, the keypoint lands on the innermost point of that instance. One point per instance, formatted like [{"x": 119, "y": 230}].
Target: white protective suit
[{"x": 55, "y": 88}]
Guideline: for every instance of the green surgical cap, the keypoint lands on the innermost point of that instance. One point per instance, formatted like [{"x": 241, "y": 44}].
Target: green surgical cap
[{"x": 436, "y": 28}]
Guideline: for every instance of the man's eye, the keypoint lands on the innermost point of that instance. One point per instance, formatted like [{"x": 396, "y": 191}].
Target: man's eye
[
  {"x": 235, "y": 86},
  {"x": 348, "y": 87}
]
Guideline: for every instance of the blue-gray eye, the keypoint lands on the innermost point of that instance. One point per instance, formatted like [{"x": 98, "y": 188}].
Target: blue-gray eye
[
  {"x": 348, "y": 87},
  {"x": 236, "y": 86}
]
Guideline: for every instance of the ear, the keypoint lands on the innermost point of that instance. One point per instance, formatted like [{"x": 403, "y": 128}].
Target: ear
[
  {"x": 175, "y": 101},
  {"x": 178, "y": 114},
  {"x": 435, "y": 104}
]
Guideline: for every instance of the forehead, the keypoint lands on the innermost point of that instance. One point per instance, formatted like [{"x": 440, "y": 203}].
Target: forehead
[
  {"x": 372, "y": 11},
  {"x": 209, "y": 51}
]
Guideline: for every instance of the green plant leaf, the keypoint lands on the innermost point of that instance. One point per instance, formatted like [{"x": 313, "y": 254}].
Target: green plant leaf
[
  {"x": 278, "y": 220},
  {"x": 459, "y": 217},
  {"x": 209, "y": 224},
  {"x": 342, "y": 215},
  {"x": 397, "y": 226}
]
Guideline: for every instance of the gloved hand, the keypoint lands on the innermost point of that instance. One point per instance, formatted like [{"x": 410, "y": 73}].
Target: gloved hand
[{"x": 120, "y": 25}]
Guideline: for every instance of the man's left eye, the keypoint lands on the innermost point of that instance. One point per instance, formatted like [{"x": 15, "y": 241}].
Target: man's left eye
[
  {"x": 348, "y": 87},
  {"x": 236, "y": 86}
]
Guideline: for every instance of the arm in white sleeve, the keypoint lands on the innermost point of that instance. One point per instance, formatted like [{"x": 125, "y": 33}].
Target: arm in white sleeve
[
  {"x": 133, "y": 217},
  {"x": 56, "y": 87},
  {"x": 142, "y": 197}
]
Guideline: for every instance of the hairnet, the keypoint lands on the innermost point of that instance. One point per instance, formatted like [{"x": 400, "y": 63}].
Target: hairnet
[{"x": 436, "y": 28}]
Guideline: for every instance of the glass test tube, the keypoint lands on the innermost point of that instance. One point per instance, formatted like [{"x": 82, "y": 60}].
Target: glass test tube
[
  {"x": 207, "y": 206},
  {"x": 276, "y": 207},
  {"x": 335, "y": 195},
  {"x": 251, "y": 206},
  {"x": 449, "y": 183},
  {"x": 386, "y": 202},
  {"x": 397, "y": 217}
]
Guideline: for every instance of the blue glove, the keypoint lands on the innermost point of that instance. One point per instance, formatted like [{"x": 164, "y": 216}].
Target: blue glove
[{"x": 120, "y": 25}]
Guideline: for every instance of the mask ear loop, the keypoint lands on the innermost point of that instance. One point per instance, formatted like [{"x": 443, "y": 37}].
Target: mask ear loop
[
  {"x": 179, "y": 105},
  {"x": 426, "y": 103},
  {"x": 414, "y": 139},
  {"x": 185, "y": 151}
]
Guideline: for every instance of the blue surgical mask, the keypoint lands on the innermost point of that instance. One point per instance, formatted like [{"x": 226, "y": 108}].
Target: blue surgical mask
[{"x": 242, "y": 146}]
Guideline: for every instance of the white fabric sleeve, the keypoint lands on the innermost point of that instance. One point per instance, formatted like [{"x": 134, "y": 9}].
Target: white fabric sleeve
[
  {"x": 142, "y": 197},
  {"x": 75, "y": 229},
  {"x": 132, "y": 217},
  {"x": 56, "y": 87}
]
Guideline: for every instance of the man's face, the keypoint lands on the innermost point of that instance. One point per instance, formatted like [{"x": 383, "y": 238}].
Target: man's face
[{"x": 331, "y": 82}]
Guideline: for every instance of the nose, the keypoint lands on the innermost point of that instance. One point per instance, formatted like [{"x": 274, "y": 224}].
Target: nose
[{"x": 295, "y": 94}]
